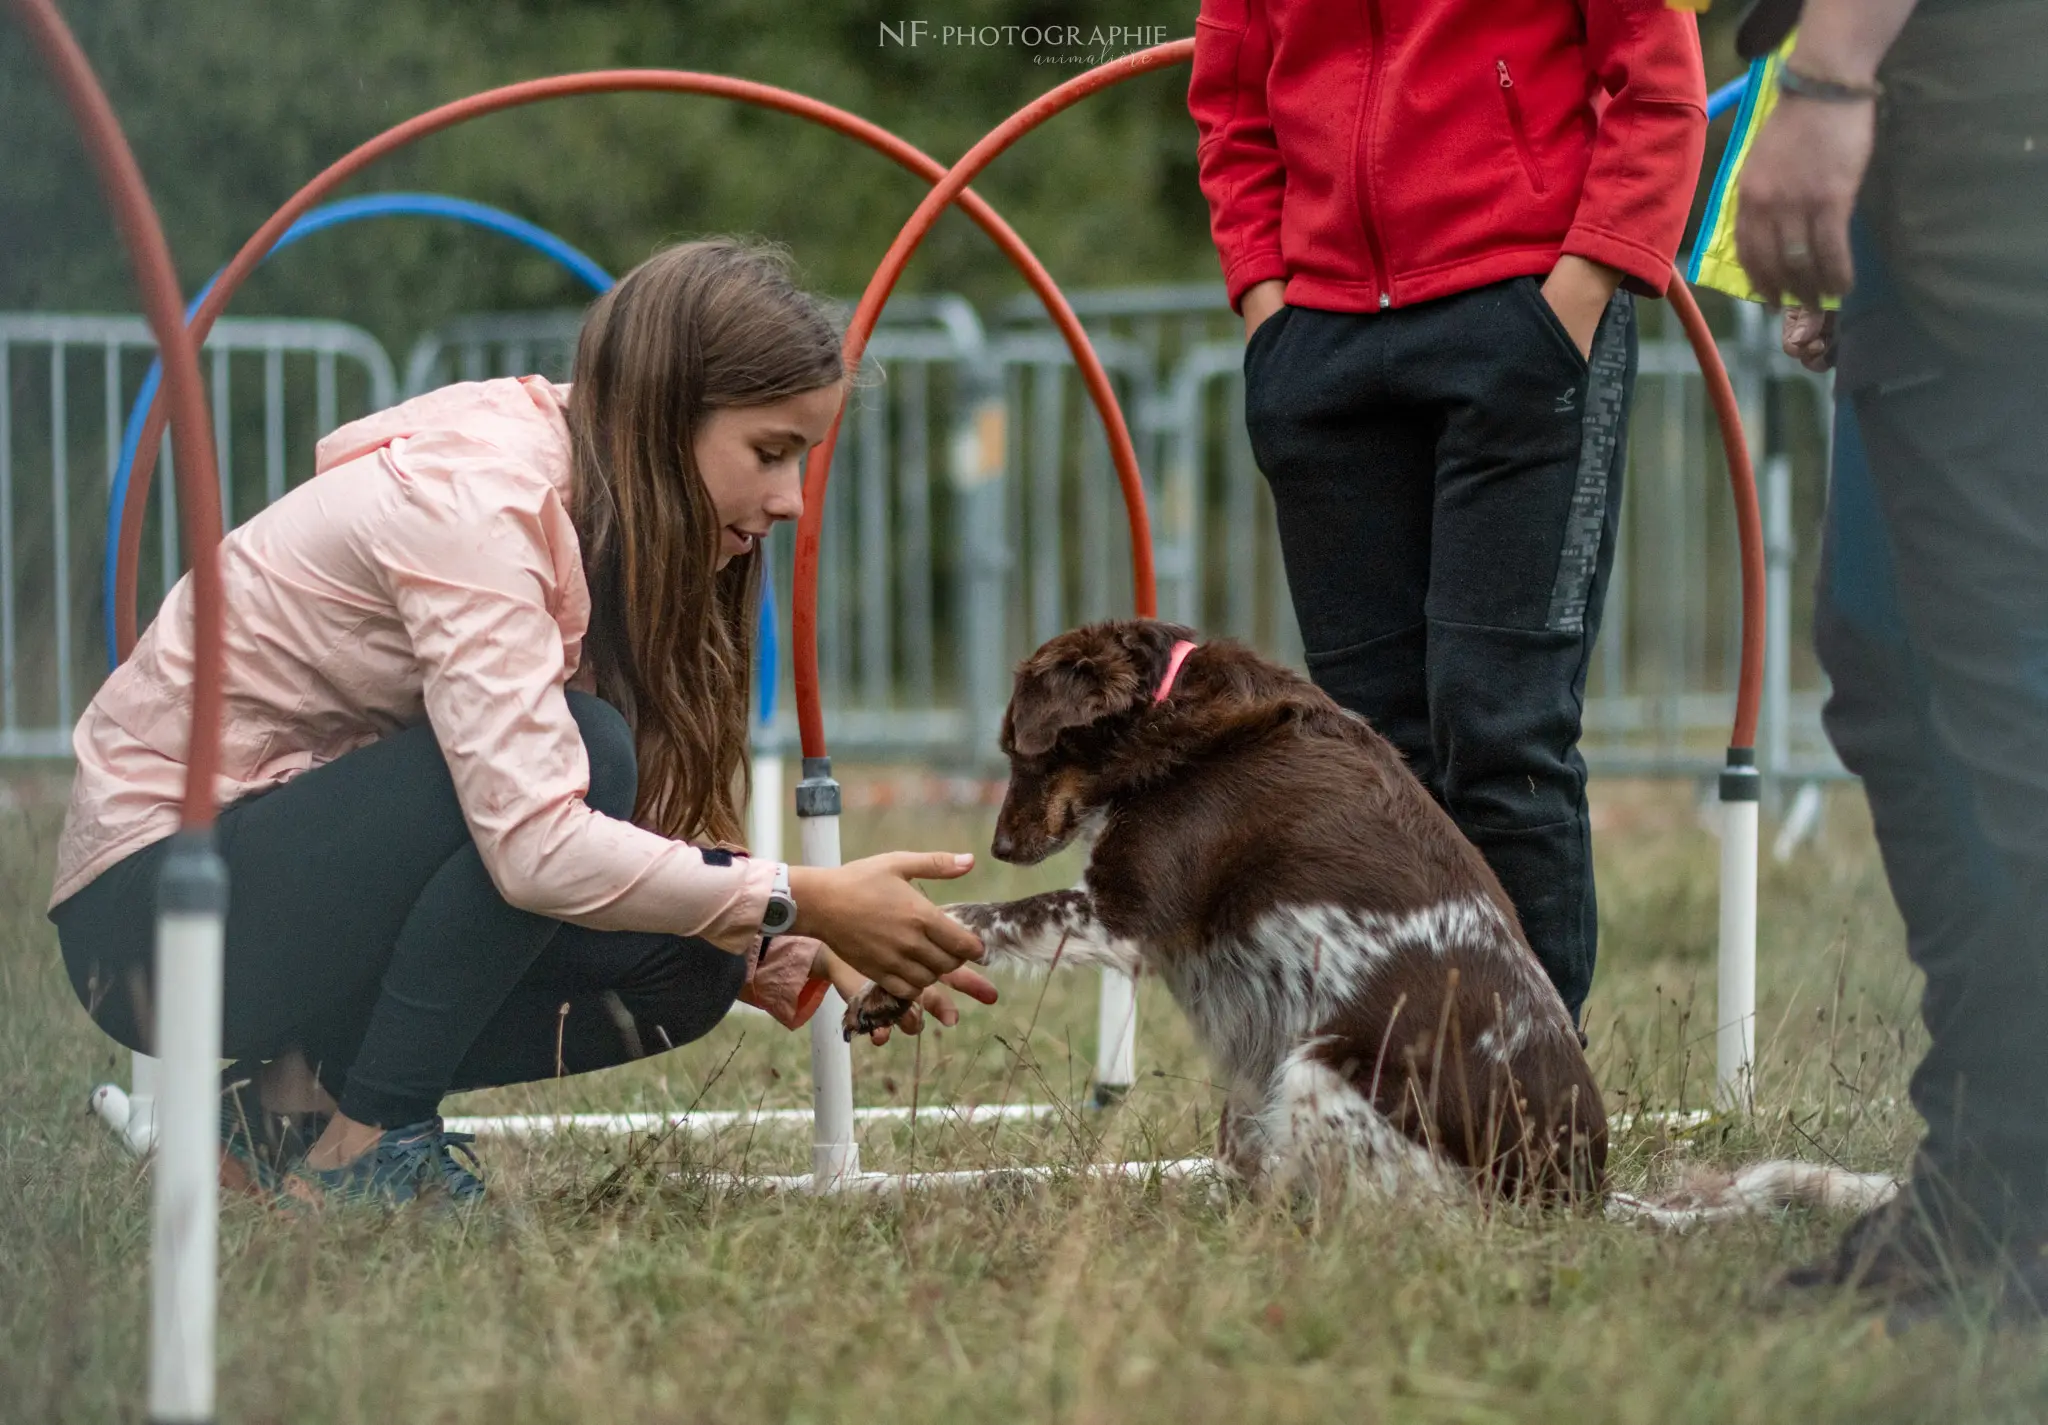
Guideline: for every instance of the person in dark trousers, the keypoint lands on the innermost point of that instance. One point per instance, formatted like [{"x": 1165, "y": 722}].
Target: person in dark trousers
[
  {"x": 1432, "y": 217},
  {"x": 1930, "y": 123}
]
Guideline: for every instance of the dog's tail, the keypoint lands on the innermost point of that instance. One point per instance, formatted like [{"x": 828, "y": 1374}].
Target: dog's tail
[
  {"x": 1752, "y": 1191},
  {"x": 1039, "y": 932}
]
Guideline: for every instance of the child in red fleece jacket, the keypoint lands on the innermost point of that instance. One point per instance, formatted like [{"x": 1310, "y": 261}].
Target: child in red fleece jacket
[{"x": 1431, "y": 214}]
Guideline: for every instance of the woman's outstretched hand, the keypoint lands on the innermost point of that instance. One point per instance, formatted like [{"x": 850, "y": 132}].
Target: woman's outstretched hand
[{"x": 878, "y": 922}]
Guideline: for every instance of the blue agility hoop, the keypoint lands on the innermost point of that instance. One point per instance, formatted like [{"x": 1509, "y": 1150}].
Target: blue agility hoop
[
  {"x": 348, "y": 210},
  {"x": 404, "y": 205},
  {"x": 1726, "y": 97}
]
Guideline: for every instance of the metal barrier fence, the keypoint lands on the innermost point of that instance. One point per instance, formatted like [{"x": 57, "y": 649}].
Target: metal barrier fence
[
  {"x": 976, "y": 513},
  {"x": 65, "y": 385}
]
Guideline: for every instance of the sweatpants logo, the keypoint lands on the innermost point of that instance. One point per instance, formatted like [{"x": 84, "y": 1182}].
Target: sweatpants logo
[{"x": 1599, "y": 434}]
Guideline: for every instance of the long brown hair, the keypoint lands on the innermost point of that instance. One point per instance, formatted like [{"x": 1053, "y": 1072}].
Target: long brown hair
[{"x": 699, "y": 326}]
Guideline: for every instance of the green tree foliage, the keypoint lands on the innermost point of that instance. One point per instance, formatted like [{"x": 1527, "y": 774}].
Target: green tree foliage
[{"x": 231, "y": 104}]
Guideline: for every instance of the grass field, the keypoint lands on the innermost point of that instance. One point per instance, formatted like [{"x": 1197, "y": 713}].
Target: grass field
[{"x": 606, "y": 1282}]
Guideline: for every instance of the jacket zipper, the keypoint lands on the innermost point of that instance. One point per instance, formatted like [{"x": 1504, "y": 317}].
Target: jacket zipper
[
  {"x": 1361, "y": 158},
  {"x": 1515, "y": 126}
]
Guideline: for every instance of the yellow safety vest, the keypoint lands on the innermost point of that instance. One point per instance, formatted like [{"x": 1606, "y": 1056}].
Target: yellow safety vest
[{"x": 1713, "y": 263}]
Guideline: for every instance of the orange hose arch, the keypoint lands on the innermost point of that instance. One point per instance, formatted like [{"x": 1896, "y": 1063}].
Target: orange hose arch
[{"x": 620, "y": 81}]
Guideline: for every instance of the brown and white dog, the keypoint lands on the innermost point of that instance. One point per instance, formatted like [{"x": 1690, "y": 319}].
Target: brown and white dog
[{"x": 1349, "y": 963}]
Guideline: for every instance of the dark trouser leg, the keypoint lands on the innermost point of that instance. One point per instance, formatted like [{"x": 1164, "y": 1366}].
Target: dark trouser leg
[
  {"x": 599, "y": 998},
  {"x": 1352, "y": 479},
  {"x": 1955, "y": 454},
  {"x": 1528, "y": 491},
  {"x": 363, "y": 929},
  {"x": 1942, "y": 873}
]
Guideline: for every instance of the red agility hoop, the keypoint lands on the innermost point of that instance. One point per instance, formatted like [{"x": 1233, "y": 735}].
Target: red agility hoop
[
  {"x": 192, "y": 888},
  {"x": 1749, "y": 524},
  {"x": 804, "y": 616},
  {"x": 626, "y": 81},
  {"x": 1739, "y": 785},
  {"x": 191, "y": 434}
]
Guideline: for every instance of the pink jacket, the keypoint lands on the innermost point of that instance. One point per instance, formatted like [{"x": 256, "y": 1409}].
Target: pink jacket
[{"x": 428, "y": 571}]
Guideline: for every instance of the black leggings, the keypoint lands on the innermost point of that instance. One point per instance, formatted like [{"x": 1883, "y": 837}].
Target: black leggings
[{"x": 364, "y": 931}]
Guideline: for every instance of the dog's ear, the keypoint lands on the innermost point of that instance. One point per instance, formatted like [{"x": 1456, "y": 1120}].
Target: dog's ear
[{"x": 1074, "y": 691}]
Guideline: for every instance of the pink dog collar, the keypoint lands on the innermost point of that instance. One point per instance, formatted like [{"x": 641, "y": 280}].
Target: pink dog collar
[{"x": 1181, "y": 650}]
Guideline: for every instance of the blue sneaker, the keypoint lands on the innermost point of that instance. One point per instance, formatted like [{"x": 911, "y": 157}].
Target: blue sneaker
[
  {"x": 398, "y": 1167},
  {"x": 461, "y": 1172}
]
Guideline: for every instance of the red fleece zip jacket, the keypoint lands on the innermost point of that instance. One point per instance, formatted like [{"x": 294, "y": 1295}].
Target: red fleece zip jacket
[{"x": 1386, "y": 152}]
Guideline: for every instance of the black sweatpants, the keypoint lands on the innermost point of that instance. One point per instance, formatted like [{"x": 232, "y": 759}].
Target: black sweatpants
[
  {"x": 1932, "y": 626},
  {"x": 363, "y": 930},
  {"x": 1447, "y": 479}
]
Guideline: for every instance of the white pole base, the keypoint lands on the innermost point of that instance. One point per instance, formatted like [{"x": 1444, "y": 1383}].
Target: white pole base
[
  {"x": 1116, "y": 1038},
  {"x": 185, "y": 1218},
  {"x": 835, "y": 1156},
  {"x": 1735, "y": 999}
]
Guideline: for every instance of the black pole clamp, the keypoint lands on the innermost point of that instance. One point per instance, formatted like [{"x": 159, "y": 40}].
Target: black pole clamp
[
  {"x": 817, "y": 794},
  {"x": 1740, "y": 781}
]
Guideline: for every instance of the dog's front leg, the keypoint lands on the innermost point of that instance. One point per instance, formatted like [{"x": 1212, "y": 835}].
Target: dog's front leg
[
  {"x": 1038, "y": 932},
  {"x": 1034, "y": 932}
]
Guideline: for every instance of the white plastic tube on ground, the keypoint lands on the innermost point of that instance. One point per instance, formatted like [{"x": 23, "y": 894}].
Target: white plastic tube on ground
[
  {"x": 890, "y": 1184},
  {"x": 835, "y": 1157},
  {"x": 717, "y": 1120},
  {"x": 1116, "y": 1037},
  {"x": 1735, "y": 1003},
  {"x": 191, "y": 912}
]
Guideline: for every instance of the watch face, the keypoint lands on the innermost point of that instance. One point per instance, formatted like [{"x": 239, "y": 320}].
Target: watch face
[{"x": 779, "y": 916}]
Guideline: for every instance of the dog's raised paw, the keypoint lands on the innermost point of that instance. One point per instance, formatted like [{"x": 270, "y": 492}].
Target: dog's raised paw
[{"x": 874, "y": 1008}]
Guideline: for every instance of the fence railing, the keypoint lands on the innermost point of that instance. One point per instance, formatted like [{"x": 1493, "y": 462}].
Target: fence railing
[
  {"x": 974, "y": 512},
  {"x": 65, "y": 386}
]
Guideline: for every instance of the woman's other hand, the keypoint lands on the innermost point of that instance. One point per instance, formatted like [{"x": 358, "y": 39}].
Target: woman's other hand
[
  {"x": 936, "y": 1000},
  {"x": 879, "y": 923}
]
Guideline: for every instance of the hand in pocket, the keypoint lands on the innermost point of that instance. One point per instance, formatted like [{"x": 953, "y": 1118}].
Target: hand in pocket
[
  {"x": 1578, "y": 291},
  {"x": 1260, "y": 304}
]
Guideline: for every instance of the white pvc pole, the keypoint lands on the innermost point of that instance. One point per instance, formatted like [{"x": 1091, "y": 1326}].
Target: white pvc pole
[
  {"x": 142, "y": 1081},
  {"x": 764, "y": 816},
  {"x": 1735, "y": 1001},
  {"x": 141, "y": 1076},
  {"x": 835, "y": 1157},
  {"x": 191, "y": 912},
  {"x": 1116, "y": 1037}
]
